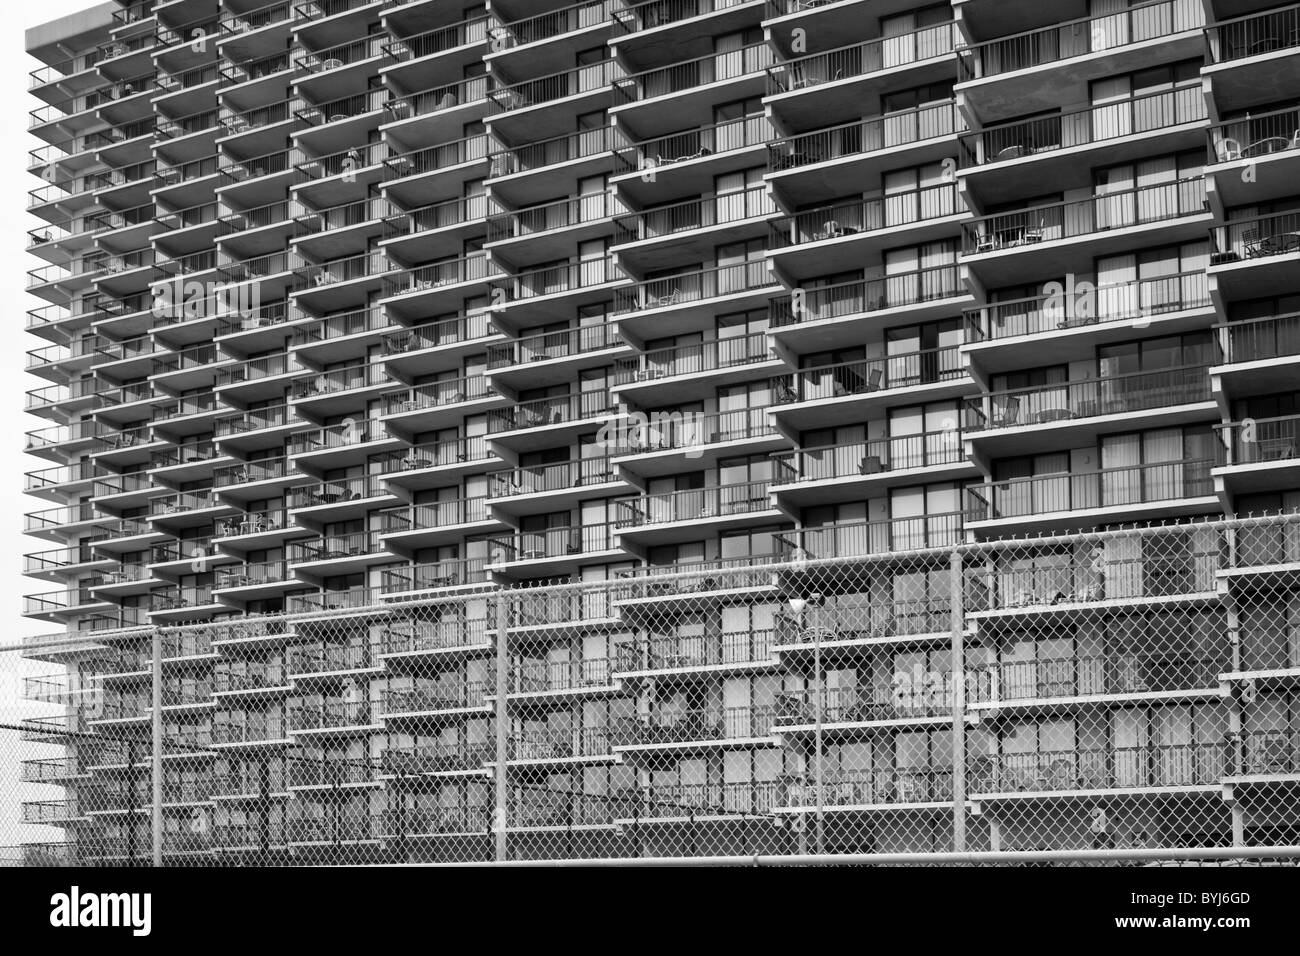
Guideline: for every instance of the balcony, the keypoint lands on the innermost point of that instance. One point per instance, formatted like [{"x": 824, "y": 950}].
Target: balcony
[
  {"x": 658, "y": 443},
  {"x": 1270, "y": 753},
  {"x": 806, "y": 89},
  {"x": 710, "y": 726},
  {"x": 1174, "y": 766},
  {"x": 412, "y": 527},
  {"x": 549, "y": 487},
  {"x": 672, "y": 304},
  {"x": 1138, "y": 304},
  {"x": 331, "y": 658},
  {"x": 1271, "y": 141},
  {"x": 1137, "y": 398},
  {"x": 332, "y": 715},
  {"x": 254, "y": 728},
  {"x": 653, "y": 516},
  {"x": 1023, "y": 682},
  {"x": 548, "y": 421},
  {"x": 1263, "y": 454},
  {"x": 1260, "y": 355},
  {"x": 344, "y": 497},
  {"x": 859, "y": 539},
  {"x": 852, "y": 789},
  {"x": 1163, "y": 488},
  {"x": 554, "y": 552},
  {"x": 696, "y": 802},
  {"x": 736, "y": 650},
  {"x": 436, "y": 575},
  {"x": 533, "y": 360},
  {"x": 1044, "y": 240},
  {"x": 846, "y": 472},
  {"x": 443, "y": 698},
  {"x": 840, "y": 393},
  {"x": 1257, "y": 256},
  {"x": 1010, "y": 73},
  {"x": 826, "y": 163},
  {"x": 865, "y": 704},
  {"x": 422, "y": 759},
  {"x": 996, "y": 159},
  {"x": 544, "y": 745},
  {"x": 416, "y": 638},
  {"x": 688, "y": 88},
  {"x": 1253, "y": 58}
]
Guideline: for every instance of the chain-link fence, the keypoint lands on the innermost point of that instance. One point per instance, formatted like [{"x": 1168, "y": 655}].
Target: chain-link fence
[{"x": 1131, "y": 694}]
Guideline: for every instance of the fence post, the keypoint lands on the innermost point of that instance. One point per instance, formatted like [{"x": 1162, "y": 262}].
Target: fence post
[
  {"x": 155, "y": 770},
  {"x": 503, "y": 663},
  {"x": 958, "y": 703}
]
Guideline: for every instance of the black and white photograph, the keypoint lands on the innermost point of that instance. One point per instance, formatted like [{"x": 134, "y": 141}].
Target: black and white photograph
[{"x": 704, "y": 446}]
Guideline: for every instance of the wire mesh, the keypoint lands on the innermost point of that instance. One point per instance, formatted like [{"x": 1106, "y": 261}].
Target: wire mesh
[{"x": 1101, "y": 693}]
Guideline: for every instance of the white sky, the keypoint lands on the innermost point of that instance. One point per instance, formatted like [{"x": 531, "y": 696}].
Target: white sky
[{"x": 15, "y": 66}]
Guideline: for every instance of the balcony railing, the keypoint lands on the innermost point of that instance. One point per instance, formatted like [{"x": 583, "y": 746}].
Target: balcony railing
[
  {"x": 1067, "y": 220},
  {"x": 659, "y": 222},
  {"x": 686, "y": 725},
  {"x": 1107, "y": 488},
  {"x": 552, "y": 543},
  {"x": 1103, "y": 395},
  {"x": 438, "y": 454},
  {"x": 1086, "y": 304},
  {"x": 418, "y": 636},
  {"x": 718, "y": 138},
  {"x": 550, "y": 216},
  {"x": 1259, "y": 237},
  {"x": 891, "y": 700},
  {"x": 753, "y": 799},
  {"x": 682, "y": 651},
  {"x": 1076, "y": 38},
  {"x": 1082, "y": 127},
  {"x": 849, "y": 788},
  {"x": 696, "y": 504},
  {"x": 1256, "y": 136},
  {"x": 560, "y": 476},
  {"x": 687, "y": 75},
  {"x": 1271, "y": 752},
  {"x": 941, "y": 530},
  {"x": 634, "y": 17},
  {"x": 870, "y": 375},
  {"x": 1255, "y": 35},
  {"x": 866, "y": 215},
  {"x": 439, "y": 394},
  {"x": 699, "y": 286},
  {"x": 551, "y": 411},
  {"x": 1053, "y": 577},
  {"x": 452, "y": 572},
  {"x": 441, "y": 697},
  {"x": 336, "y": 491},
  {"x": 1262, "y": 440},
  {"x": 437, "y": 758},
  {"x": 435, "y": 514},
  {"x": 865, "y": 136},
  {"x": 862, "y": 59},
  {"x": 553, "y": 345},
  {"x": 1093, "y": 676},
  {"x": 549, "y": 744},
  {"x": 1261, "y": 339},
  {"x": 331, "y": 715},
  {"x": 591, "y": 78},
  {"x": 554, "y": 23},
  {"x": 925, "y": 450},
  {"x": 1171, "y": 765}
]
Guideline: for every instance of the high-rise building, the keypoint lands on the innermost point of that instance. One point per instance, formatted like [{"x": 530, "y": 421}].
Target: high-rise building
[{"x": 358, "y": 305}]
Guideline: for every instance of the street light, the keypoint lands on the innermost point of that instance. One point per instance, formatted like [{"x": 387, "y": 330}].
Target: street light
[{"x": 798, "y": 605}]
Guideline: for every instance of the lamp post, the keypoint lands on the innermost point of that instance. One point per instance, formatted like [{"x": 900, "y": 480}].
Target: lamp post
[{"x": 798, "y": 605}]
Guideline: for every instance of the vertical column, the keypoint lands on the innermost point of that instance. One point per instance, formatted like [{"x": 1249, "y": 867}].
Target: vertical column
[
  {"x": 155, "y": 770},
  {"x": 503, "y": 663},
  {"x": 958, "y": 692}
]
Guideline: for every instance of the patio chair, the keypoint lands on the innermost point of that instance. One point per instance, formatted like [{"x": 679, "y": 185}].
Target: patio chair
[
  {"x": 1037, "y": 235},
  {"x": 1253, "y": 243}
]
